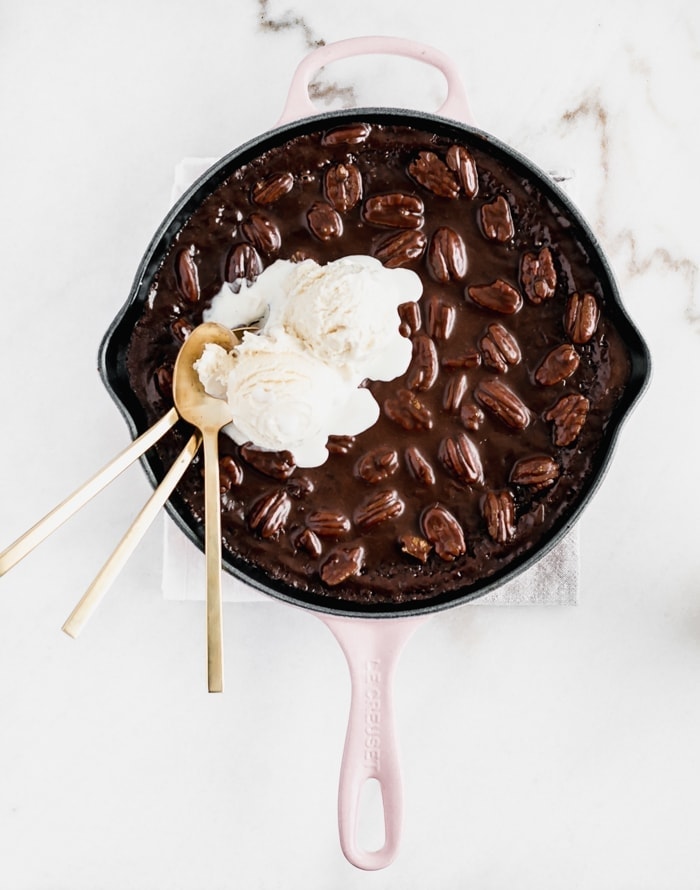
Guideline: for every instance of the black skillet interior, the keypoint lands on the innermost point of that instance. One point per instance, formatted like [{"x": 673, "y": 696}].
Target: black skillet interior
[{"x": 113, "y": 350}]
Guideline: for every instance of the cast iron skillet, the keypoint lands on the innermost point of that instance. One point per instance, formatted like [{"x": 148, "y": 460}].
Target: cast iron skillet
[{"x": 368, "y": 642}]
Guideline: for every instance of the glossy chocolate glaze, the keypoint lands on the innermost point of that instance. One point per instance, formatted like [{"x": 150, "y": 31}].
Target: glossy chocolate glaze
[{"x": 387, "y": 574}]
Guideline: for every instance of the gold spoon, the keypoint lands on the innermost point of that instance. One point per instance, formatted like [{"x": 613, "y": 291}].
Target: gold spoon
[
  {"x": 121, "y": 553},
  {"x": 208, "y": 415}
]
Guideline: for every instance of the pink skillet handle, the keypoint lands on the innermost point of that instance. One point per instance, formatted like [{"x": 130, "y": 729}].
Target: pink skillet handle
[
  {"x": 372, "y": 647},
  {"x": 299, "y": 104}
]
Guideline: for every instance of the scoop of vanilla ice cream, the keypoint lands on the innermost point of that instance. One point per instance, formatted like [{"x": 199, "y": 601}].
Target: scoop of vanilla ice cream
[
  {"x": 283, "y": 398},
  {"x": 345, "y": 313}
]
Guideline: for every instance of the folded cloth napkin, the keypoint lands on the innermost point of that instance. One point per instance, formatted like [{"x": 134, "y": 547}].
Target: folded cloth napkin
[{"x": 553, "y": 580}]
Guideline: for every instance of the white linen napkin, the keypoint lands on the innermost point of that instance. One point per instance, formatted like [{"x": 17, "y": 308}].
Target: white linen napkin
[{"x": 553, "y": 580}]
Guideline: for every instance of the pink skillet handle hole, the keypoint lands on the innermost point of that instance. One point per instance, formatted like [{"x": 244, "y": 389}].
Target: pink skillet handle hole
[
  {"x": 371, "y": 824},
  {"x": 299, "y": 105}
]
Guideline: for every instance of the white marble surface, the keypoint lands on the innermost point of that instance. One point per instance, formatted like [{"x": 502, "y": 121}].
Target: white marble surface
[{"x": 542, "y": 747}]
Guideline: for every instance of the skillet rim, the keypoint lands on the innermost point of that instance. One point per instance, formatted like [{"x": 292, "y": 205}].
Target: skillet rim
[{"x": 114, "y": 345}]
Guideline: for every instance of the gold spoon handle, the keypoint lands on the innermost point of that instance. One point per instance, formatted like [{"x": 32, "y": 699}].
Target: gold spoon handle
[
  {"x": 212, "y": 542},
  {"x": 44, "y": 527},
  {"x": 103, "y": 581}
]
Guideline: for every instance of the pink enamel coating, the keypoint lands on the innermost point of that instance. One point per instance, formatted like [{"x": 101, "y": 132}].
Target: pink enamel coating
[{"x": 372, "y": 646}]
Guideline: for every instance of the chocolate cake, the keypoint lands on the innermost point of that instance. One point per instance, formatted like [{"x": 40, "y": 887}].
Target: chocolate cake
[{"x": 484, "y": 446}]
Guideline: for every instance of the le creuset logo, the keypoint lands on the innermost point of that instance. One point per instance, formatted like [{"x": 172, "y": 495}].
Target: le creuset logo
[{"x": 373, "y": 714}]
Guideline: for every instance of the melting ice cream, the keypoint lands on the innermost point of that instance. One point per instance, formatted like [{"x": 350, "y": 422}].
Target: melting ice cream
[{"x": 323, "y": 331}]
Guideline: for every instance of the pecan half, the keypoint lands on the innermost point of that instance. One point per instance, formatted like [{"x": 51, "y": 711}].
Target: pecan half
[
  {"x": 261, "y": 232},
  {"x": 498, "y": 509},
  {"x": 187, "y": 275},
  {"x": 377, "y": 464},
  {"x": 471, "y": 359},
  {"x": 581, "y": 317},
  {"x": 471, "y": 416},
  {"x": 538, "y": 471},
  {"x": 409, "y": 313},
  {"x": 434, "y": 174},
  {"x": 498, "y": 297},
  {"x": 277, "y": 464},
  {"x": 230, "y": 473},
  {"x": 328, "y": 523},
  {"x": 400, "y": 249},
  {"x": 408, "y": 411},
  {"x": 350, "y": 134},
  {"x": 299, "y": 487},
  {"x": 443, "y": 531},
  {"x": 568, "y": 417},
  {"x": 461, "y": 161},
  {"x": 343, "y": 185},
  {"x": 271, "y": 189},
  {"x": 460, "y": 456},
  {"x": 538, "y": 275},
  {"x": 557, "y": 365},
  {"x": 243, "y": 262},
  {"x": 453, "y": 393},
  {"x": 492, "y": 355},
  {"x": 418, "y": 466},
  {"x": 324, "y": 221},
  {"x": 269, "y": 513},
  {"x": 497, "y": 220},
  {"x": 503, "y": 402},
  {"x": 499, "y": 348},
  {"x": 339, "y": 444},
  {"x": 342, "y": 563},
  {"x": 447, "y": 255},
  {"x": 309, "y": 541},
  {"x": 378, "y": 508},
  {"x": 439, "y": 318},
  {"x": 506, "y": 343},
  {"x": 163, "y": 379},
  {"x": 396, "y": 210},
  {"x": 424, "y": 367}
]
